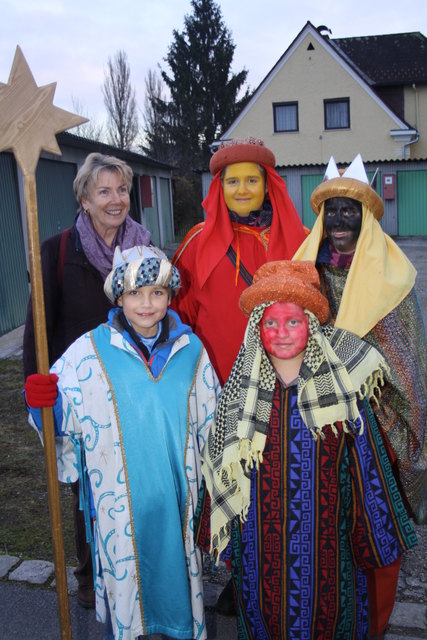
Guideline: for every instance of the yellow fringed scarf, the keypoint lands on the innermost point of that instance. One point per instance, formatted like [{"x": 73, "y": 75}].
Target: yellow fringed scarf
[{"x": 334, "y": 360}]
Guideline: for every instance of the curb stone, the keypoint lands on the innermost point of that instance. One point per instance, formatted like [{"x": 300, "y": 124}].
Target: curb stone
[
  {"x": 393, "y": 636},
  {"x": 410, "y": 615},
  {"x": 32, "y": 571},
  {"x": 6, "y": 564}
]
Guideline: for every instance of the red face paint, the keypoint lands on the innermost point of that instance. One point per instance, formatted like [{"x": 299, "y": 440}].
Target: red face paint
[{"x": 284, "y": 330}]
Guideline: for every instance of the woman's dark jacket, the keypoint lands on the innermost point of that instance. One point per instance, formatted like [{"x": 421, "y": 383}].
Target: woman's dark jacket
[{"x": 74, "y": 297}]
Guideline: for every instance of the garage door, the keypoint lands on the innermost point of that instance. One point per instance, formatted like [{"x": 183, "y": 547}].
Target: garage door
[{"x": 412, "y": 203}]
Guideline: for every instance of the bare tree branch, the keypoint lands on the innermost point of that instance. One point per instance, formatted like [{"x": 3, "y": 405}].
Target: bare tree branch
[
  {"x": 91, "y": 130},
  {"x": 120, "y": 102}
]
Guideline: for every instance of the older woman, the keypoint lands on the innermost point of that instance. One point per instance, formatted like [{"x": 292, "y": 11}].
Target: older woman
[{"x": 78, "y": 261}]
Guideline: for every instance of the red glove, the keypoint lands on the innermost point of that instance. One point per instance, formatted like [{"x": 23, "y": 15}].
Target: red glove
[{"x": 41, "y": 390}]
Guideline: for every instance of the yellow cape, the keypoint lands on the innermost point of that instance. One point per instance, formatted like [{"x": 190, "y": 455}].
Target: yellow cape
[{"x": 380, "y": 276}]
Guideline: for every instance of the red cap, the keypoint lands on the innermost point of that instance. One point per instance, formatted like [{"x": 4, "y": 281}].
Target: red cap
[{"x": 241, "y": 150}]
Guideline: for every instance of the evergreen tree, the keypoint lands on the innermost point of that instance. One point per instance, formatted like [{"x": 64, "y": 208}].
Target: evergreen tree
[{"x": 203, "y": 91}]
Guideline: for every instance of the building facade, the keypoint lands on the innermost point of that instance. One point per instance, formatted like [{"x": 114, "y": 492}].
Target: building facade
[{"x": 342, "y": 97}]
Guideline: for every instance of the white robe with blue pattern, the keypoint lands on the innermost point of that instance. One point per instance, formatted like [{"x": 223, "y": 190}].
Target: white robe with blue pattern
[{"x": 141, "y": 447}]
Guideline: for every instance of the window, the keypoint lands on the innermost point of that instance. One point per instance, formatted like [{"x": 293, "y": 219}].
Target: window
[
  {"x": 337, "y": 113},
  {"x": 285, "y": 116}
]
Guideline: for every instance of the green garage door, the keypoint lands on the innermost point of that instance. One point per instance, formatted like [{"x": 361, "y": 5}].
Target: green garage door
[
  {"x": 57, "y": 206},
  {"x": 13, "y": 269},
  {"x": 412, "y": 203},
  {"x": 308, "y": 185},
  {"x": 56, "y": 211}
]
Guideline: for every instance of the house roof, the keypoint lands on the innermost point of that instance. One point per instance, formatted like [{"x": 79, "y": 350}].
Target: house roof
[
  {"x": 72, "y": 140},
  {"x": 394, "y": 59},
  {"x": 338, "y": 49}
]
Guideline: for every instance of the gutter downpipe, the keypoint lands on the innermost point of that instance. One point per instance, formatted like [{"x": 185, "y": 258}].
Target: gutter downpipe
[
  {"x": 407, "y": 144},
  {"x": 417, "y": 135}
]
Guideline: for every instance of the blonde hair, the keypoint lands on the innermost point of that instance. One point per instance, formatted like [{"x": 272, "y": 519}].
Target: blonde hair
[{"x": 91, "y": 168}]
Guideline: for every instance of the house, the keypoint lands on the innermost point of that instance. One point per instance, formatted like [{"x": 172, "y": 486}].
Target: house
[
  {"x": 151, "y": 204},
  {"x": 339, "y": 97}
]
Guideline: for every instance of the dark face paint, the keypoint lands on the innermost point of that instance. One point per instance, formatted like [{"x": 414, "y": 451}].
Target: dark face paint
[{"x": 343, "y": 221}]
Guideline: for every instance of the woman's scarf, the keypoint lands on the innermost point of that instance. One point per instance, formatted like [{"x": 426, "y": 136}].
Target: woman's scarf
[
  {"x": 99, "y": 254},
  {"x": 286, "y": 235},
  {"x": 334, "y": 359},
  {"x": 380, "y": 275}
]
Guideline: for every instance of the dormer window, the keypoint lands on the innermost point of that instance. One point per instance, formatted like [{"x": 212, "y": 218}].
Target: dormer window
[
  {"x": 285, "y": 116},
  {"x": 337, "y": 113}
]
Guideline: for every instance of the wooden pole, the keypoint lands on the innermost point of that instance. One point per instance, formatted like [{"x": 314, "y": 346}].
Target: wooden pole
[
  {"x": 29, "y": 122},
  {"x": 37, "y": 297}
]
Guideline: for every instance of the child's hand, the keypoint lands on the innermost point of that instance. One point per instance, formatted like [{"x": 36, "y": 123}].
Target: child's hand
[{"x": 41, "y": 390}]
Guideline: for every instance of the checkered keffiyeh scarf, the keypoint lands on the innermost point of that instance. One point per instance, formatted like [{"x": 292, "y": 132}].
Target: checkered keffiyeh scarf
[{"x": 337, "y": 367}]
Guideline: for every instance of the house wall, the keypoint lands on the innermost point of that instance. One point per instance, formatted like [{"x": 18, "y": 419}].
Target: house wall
[
  {"x": 310, "y": 71},
  {"x": 309, "y": 77},
  {"x": 416, "y": 115}
]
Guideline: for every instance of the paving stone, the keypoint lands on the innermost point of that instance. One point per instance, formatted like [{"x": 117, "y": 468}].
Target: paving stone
[
  {"x": 400, "y": 636},
  {"x": 415, "y": 595},
  {"x": 6, "y": 563},
  {"x": 410, "y": 615},
  {"x": 33, "y": 571},
  {"x": 415, "y": 583},
  {"x": 72, "y": 583}
]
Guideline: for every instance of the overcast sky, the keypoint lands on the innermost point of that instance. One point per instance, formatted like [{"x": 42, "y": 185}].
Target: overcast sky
[{"x": 69, "y": 41}]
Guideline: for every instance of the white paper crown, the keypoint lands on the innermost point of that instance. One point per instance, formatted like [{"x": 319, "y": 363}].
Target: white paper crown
[
  {"x": 136, "y": 253},
  {"x": 353, "y": 183},
  {"x": 356, "y": 170}
]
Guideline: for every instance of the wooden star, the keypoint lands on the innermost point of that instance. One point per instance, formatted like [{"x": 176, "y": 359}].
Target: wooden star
[{"x": 28, "y": 118}]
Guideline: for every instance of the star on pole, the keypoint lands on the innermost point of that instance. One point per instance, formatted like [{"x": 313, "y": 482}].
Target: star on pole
[
  {"x": 28, "y": 118},
  {"x": 28, "y": 124}
]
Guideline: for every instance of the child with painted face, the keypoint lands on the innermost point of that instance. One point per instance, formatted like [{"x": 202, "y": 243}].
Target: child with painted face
[
  {"x": 343, "y": 221},
  {"x": 133, "y": 402},
  {"x": 302, "y": 495},
  {"x": 250, "y": 219},
  {"x": 284, "y": 335}
]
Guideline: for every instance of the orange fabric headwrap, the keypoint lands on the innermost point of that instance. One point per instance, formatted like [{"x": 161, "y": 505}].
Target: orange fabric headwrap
[
  {"x": 286, "y": 235},
  {"x": 286, "y": 281}
]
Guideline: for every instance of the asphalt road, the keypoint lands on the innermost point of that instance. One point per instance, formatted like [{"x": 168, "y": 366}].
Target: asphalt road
[{"x": 32, "y": 613}]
